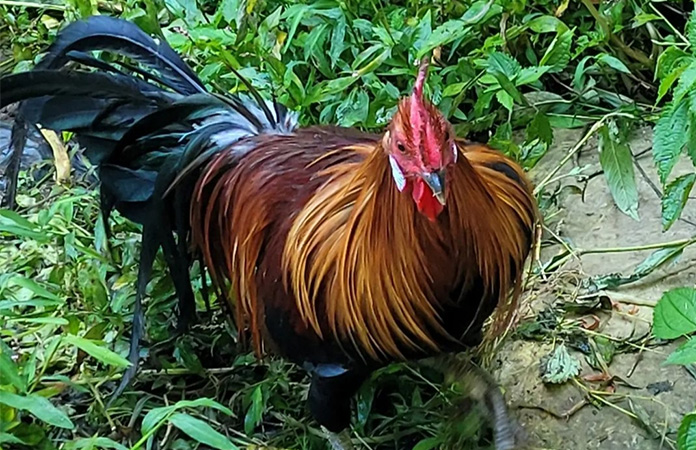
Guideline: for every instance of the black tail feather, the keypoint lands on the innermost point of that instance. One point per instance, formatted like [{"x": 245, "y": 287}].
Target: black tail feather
[
  {"x": 125, "y": 39},
  {"x": 150, "y": 127}
]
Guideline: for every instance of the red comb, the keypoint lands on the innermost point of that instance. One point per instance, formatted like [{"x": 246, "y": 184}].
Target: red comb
[
  {"x": 420, "y": 80},
  {"x": 423, "y": 135}
]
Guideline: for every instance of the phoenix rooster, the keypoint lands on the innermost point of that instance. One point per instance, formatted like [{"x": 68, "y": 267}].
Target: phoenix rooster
[{"x": 340, "y": 250}]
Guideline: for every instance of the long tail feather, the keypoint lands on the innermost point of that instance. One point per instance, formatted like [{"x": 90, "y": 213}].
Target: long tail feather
[
  {"x": 150, "y": 127},
  {"x": 125, "y": 39},
  {"x": 41, "y": 83}
]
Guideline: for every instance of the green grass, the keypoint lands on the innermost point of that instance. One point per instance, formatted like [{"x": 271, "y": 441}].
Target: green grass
[{"x": 507, "y": 72}]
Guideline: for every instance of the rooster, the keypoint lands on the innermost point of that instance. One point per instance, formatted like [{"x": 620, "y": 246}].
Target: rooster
[{"x": 343, "y": 251}]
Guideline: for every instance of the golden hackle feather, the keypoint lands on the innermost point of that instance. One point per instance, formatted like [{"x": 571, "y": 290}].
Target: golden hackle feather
[
  {"x": 358, "y": 256},
  {"x": 362, "y": 242}
]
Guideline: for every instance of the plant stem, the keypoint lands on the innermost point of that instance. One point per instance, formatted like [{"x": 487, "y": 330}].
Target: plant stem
[
  {"x": 669, "y": 24},
  {"x": 638, "y": 248}
]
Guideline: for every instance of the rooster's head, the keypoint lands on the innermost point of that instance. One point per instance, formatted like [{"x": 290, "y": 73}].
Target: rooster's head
[{"x": 420, "y": 145}]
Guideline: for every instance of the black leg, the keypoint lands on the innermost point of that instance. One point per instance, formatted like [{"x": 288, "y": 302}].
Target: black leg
[{"x": 330, "y": 394}]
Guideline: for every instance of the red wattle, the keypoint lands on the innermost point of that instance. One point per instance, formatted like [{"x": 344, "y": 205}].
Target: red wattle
[{"x": 426, "y": 202}]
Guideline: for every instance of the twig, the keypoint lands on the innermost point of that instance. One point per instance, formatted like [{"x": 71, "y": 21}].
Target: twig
[
  {"x": 561, "y": 416},
  {"x": 639, "y": 358},
  {"x": 638, "y": 248},
  {"x": 669, "y": 24}
]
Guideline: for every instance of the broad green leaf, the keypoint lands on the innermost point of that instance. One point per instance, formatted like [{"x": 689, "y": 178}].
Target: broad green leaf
[
  {"x": 201, "y": 432},
  {"x": 504, "y": 64},
  {"x": 657, "y": 259},
  {"x": 478, "y": 11},
  {"x": 354, "y": 109},
  {"x": 374, "y": 64},
  {"x": 686, "y": 437},
  {"x": 423, "y": 31},
  {"x": 691, "y": 141},
  {"x": 670, "y": 136},
  {"x": 297, "y": 12},
  {"x": 187, "y": 10},
  {"x": 453, "y": 89},
  {"x": 232, "y": 11},
  {"x": 156, "y": 416},
  {"x": 667, "y": 82},
  {"x": 540, "y": 128},
  {"x": 530, "y": 75},
  {"x": 669, "y": 60},
  {"x": 363, "y": 402},
  {"x": 674, "y": 199},
  {"x": 691, "y": 30},
  {"x": 559, "y": 366},
  {"x": 546, "y": 24},
  {"x": 41, "y": 320},
  {"x": 643, "y": 18},
  {"x": 428, "y": 443},
  {"x": 338, "y": 40},
  {"x": 532, "y": 152},
  {"x": 505, "y": 99},
  {"x": 7, "y": 438},
  {"x": 579, "y": 76},
  {"x": 85, "y": 7},
  {"x": 685, "y": 354},
  {"x": 17, "y": 219},
  {"x": 686, "y": 83},
  {"x": 209, "y": 73},
  {"x": 254, "y": 414},
  {"x": 675, "y": 314},
  {"x": 444, "y": 34},
  {"x": 509, "y": 87},
  {"x": 558, "y": 54},
  {"x": 8, "y": 369},
  {"x": 315, "y": 40},
  {"x": 39, "y": 407},
  {"x": 14, "y": 224},
  {"x": 34, "y": 303},
  {"x": 617, "y": 164},
  {"x": 98, "y": 352},
  {"x": 613, "y": 62},
  {"x": 35, "y": 288},
  {"x": 94, "y": 443}
]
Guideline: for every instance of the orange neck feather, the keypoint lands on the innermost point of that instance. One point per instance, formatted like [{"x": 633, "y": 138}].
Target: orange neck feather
[{"x": 364, "y": 265}]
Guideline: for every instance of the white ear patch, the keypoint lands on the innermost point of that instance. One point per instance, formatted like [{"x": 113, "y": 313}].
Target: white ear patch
[
  {"x": 455, "y": 150},
  {"x": 397, "y": 174}
]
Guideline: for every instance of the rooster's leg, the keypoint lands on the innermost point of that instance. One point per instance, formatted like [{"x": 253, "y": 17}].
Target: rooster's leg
[{"x": 330, "y": 394}]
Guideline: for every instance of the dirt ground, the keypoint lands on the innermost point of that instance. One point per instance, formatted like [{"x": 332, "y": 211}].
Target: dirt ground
[{"x": 658, "y": 393}]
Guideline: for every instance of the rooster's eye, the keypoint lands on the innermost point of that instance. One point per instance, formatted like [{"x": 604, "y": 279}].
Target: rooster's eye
[
  {"x": 401, "y": 147},
  {"x": 447, "y": 136}
]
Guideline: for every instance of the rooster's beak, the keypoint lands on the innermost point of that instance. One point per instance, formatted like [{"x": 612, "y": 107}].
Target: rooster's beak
[{"x": 436, "y": 183}]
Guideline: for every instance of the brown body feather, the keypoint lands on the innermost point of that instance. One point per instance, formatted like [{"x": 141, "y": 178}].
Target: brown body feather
[{"x": 326, "y": 256}]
